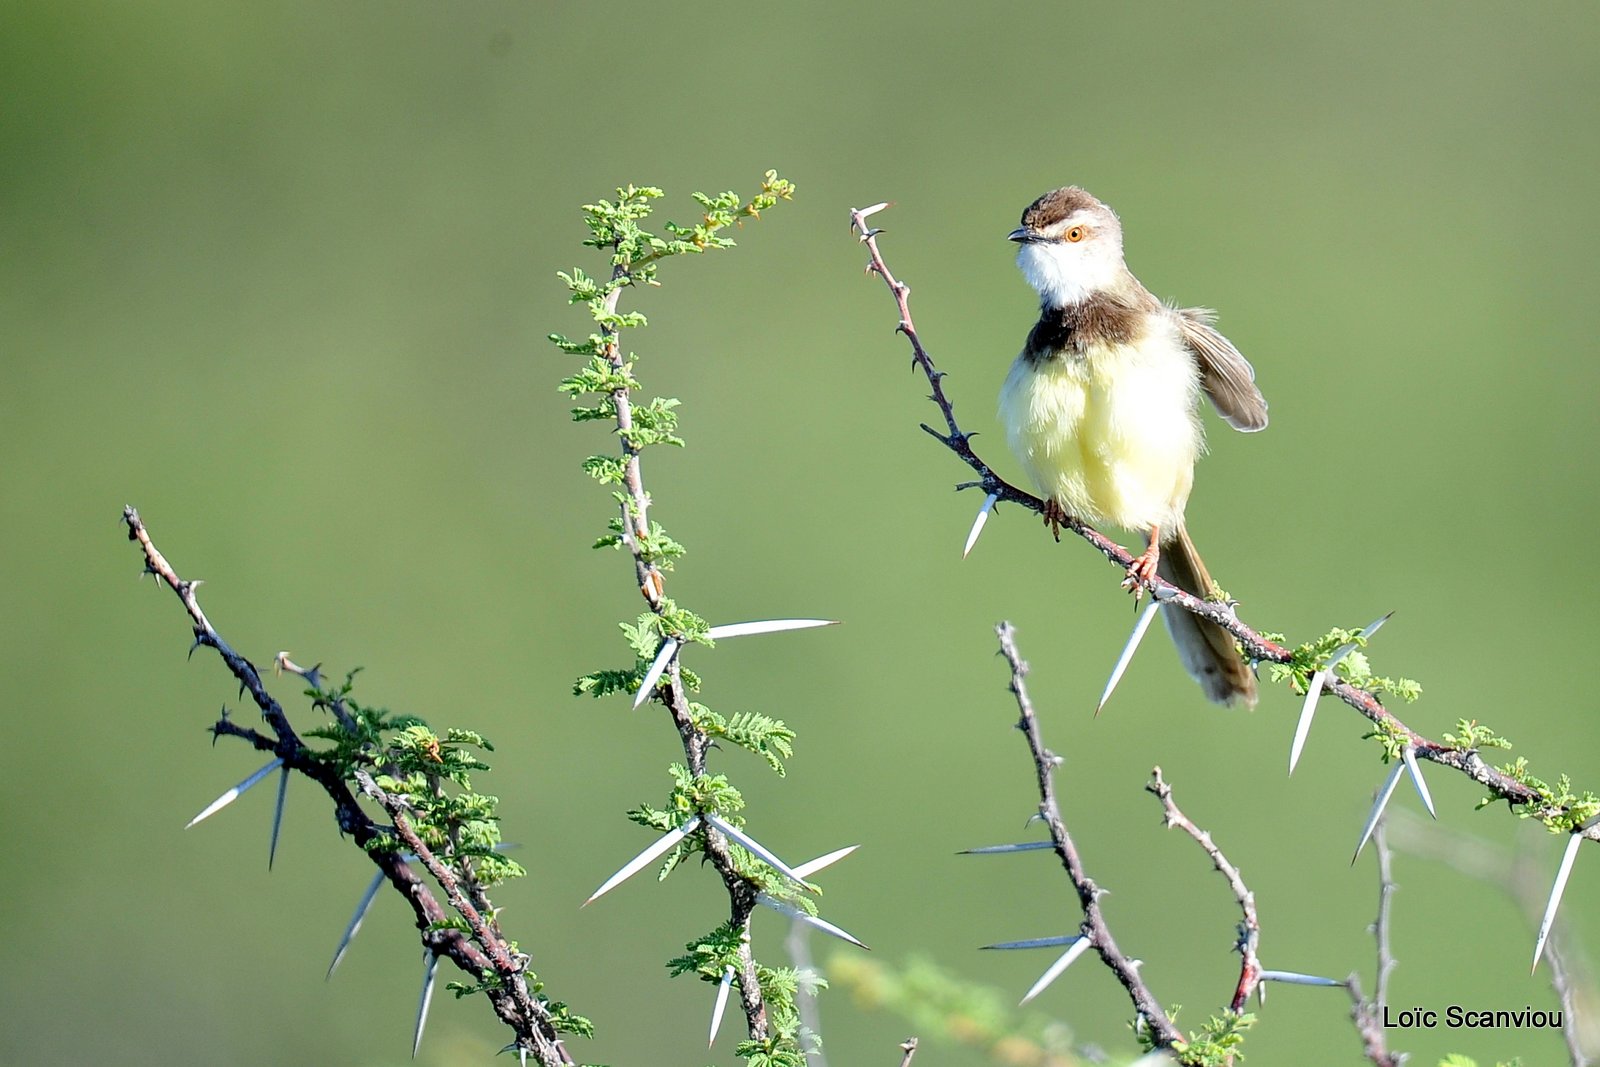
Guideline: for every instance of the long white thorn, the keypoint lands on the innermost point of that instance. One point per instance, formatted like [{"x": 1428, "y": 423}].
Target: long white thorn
[
  {"x": 861, "y": 213},
  {"x": 1139, "y": 628},
  {"x": 1296, "y": 978},
  {"x": 670, "y": 646},
  {"x": 995, "y": 850},
  {"x": 1366, "y": 631},
  {"x": 800, "y": 915},
  {"x": 979, "y": 523},
  {"x": 356, "y": 920},
  {"x": 1409, "y": 754},
  {"x": 769, "y": 626},
  {"x": 233, "y": 794},
  {"x": 756, "y": 847},
  {"x": 658, "y": 848},
  {"x": 277, "y": 816},
  {"x": 1308, "y": 710},
  {"x": 810, "y": 867},
  {"x": 1078, "y": 948},
  {"x": 430, "y": 971},
  {"x": 1037, "y": 942},
  {"x": 653, "y": 675},
  {"x": 1314, "y": 690},
  {"x": 720, "y": 1006},
  {"x": 1377, "y": 807},
  {"x": 1563, "y": 872}
]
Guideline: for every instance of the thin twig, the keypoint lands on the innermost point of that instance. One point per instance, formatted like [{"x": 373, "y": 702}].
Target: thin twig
[
  {"x": 1161, "y": 1029},
  {"x": 1368, "y": 1015},
  {"x": 909, "y": 1047},
  {"x": 1256, "y": 648},
  {"x": 1249, "y": 942},
  {"x": 512, "y": 1000},
  {"x": 459, "y": 896},
  {"x": 1382, "y": 925}
]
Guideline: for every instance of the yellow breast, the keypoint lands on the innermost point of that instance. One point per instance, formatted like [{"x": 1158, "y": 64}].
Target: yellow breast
[{"x": 1112, "y": 434}]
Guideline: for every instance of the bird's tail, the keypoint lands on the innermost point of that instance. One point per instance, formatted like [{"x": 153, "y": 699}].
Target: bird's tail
[{"x": 1207, "y": 650}]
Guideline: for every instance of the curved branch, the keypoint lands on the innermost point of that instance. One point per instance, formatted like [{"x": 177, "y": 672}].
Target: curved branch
[{"x": 1250, "y": 926}]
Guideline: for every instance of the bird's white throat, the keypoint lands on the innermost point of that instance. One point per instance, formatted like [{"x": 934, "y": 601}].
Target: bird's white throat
[{"x": 1064, "y": 274}]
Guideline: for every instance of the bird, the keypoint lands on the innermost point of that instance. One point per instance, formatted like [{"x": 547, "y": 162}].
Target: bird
[{"x": 1101, "y": 408}]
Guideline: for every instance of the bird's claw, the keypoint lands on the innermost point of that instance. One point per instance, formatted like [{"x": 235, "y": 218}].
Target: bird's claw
[
  {"x": 1055, "y": 516},
  {"x": 1141, "y": 570}
]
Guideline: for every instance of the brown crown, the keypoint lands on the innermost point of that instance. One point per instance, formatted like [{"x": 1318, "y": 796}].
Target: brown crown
[{"x": 1057, "y": 204}]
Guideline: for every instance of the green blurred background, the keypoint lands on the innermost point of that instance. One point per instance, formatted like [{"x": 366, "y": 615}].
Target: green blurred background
[{"x": 280, "y": 276}]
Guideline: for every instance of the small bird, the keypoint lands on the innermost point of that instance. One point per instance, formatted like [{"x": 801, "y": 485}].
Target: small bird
[{"x": 1102, "y": 409}]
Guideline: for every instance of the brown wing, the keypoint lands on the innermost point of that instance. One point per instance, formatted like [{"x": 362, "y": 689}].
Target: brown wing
[{"x": 1226, "y": 376}]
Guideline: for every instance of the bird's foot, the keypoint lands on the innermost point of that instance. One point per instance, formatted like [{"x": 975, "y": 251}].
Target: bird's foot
[
  {"x": 1054, "y": 517},
  {"x": 1141, "y": 570}
]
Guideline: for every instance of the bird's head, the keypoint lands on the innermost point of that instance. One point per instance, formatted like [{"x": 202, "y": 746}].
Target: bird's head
[{"x": 1071, "y": 247}]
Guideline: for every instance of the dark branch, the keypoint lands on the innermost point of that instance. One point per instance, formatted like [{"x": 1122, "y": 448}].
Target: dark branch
[
  {"x": 516, "y": 1006},
  {"x": 1161, "y": 1029}
]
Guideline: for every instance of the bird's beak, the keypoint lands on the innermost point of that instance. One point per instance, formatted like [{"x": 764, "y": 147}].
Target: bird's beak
[{"x": 1022, "y": 235}]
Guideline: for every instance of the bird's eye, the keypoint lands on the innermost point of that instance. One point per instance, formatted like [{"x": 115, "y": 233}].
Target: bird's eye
[{"x": 1075, "y": 234}]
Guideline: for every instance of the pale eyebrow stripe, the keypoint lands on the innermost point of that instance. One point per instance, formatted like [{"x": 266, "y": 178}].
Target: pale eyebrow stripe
[{"x": 1056, "y": 229}]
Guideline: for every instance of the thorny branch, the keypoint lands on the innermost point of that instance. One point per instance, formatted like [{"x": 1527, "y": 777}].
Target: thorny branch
[
  {"x": 480, "y": 956},
  {"x": 1250, "y": 926},
  {"x": 1256, "y": 647},
  {"x": 1161, "y": 1028},
  {"x": 741, "y": 893},
  {"x": 1368, "y": 1014}
]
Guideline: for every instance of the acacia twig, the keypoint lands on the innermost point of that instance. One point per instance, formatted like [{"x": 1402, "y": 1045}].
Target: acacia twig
[
  {"x": 485, "y": 953},
  {"x": 1161, "y": 1028},
  {"x": 741, "y": 893},
  {"x": 1249, "y": 941},
  {"x": 1256, "y": 647},
  {"x": 1368, "y": 1014}
]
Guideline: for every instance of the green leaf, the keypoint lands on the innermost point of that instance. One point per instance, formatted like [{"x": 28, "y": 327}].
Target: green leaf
[{"x": 767, "y": 737}]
